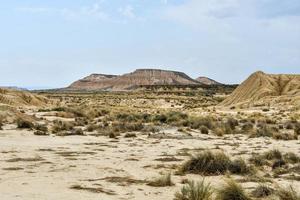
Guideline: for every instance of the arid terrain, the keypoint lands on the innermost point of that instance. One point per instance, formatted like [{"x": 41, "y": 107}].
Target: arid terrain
[{"x": 176, "y": 138}]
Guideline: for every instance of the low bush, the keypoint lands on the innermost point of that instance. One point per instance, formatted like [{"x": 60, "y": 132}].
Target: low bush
[
  {"x": 130, "y": 135},
  {"x": 41, "y": 127},
  {"x": 207, "y": 163},
  {"x": 1, "y": 123},
  {"x": 204, "y": 130},
  {"x": 195, "y": 191},
  {"x": 21, "y": 123},
  {"x": 40, "y": 133},
  {"x": 238, "y": 166},
  {"x": 60, "y": 126}
]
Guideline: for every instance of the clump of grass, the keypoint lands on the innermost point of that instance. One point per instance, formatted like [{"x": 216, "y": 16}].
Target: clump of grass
[
  {"x": 207, "y": 163},
  {"x": 41, "y": 127},
  {"x": 284, "y": 136},
  {"x": 204, "y": 130},
  {"x": 60, "y": 126},
  {"x": 297, "y": 129},
  {"x": 288, "y": 194},
  {"x": 264, "y": 131},
  {"x": 91, "y": 127},
  {"x": 262, "y": 191},
  {"x": 272, "y": 154},
  {"x": 232, "y": 191},
  {"x": 1, "y": 123},
  {"x": 239, "y": 166},
  {"x": 130, "y": 135},
  {"x": 40, "y": 133},
  {"x": 291, "y": 157},
  {"x": 195, "y": 191},
  {"x": 21, "y": 123},
  {"x": 163, "y": 181},
  {"x": 126, "y": 127}
]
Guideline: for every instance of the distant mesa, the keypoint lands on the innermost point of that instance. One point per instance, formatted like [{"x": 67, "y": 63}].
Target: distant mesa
[
  {"x": 266, "y": 89},
  {"x": 207, "y": 81},
  {"x": 140, "y": 77}
]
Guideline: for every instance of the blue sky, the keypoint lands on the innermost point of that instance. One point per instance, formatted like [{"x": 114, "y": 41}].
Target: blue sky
[{"x": 53, "y": 42}]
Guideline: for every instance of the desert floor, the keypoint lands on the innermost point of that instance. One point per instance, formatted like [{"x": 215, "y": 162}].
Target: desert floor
[{"x": 90, "y": 167}]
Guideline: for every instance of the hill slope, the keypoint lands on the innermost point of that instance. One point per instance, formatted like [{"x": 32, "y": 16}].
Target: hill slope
[
  {"x": 207, "y": 81},
  {"x": 266, "y": 89},
  {"x": 132, "y": 80},
  {"x": 21, "y": 98}
]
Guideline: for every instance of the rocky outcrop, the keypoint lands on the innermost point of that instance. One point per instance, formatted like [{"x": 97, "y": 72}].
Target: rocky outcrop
[{"x": 266, "y": 89}]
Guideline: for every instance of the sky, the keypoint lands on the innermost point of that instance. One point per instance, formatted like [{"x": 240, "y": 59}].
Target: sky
[{"x": 52, "y": 43}]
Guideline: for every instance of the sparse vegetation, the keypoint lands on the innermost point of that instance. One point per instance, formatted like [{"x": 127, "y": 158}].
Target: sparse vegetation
[{"x": 288, "y": 194}]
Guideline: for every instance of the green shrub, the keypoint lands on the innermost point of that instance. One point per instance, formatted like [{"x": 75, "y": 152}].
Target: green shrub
[
  {"x": 232, "y": 191},
  {"x": 207, "y": 163},
  {"x": 195, "y": 191}
]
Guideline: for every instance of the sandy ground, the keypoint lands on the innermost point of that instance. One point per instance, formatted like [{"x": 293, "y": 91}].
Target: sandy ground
[{"x": 45, "y": 167}]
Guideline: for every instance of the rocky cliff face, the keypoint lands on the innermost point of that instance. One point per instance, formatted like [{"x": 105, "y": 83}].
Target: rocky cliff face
[
  {"x": 261, "y": 88},
  {"x": 130, "y": 81}
]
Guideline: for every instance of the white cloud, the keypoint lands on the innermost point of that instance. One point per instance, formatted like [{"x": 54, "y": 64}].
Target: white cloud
[
  {"x": 95, "y": 11},
  {"x": 128, "y": 11}
]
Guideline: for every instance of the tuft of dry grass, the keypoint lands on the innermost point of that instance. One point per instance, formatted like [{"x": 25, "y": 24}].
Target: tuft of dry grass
[
  {"x": 163, "y": 181},
  {"x": 232, "y": 191},
  {"x": 262, "y": 191},
  {"x": 195, "y": 191},
  {"x": 23, "y": 124},
  {"x": 207, "y": 163}
]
